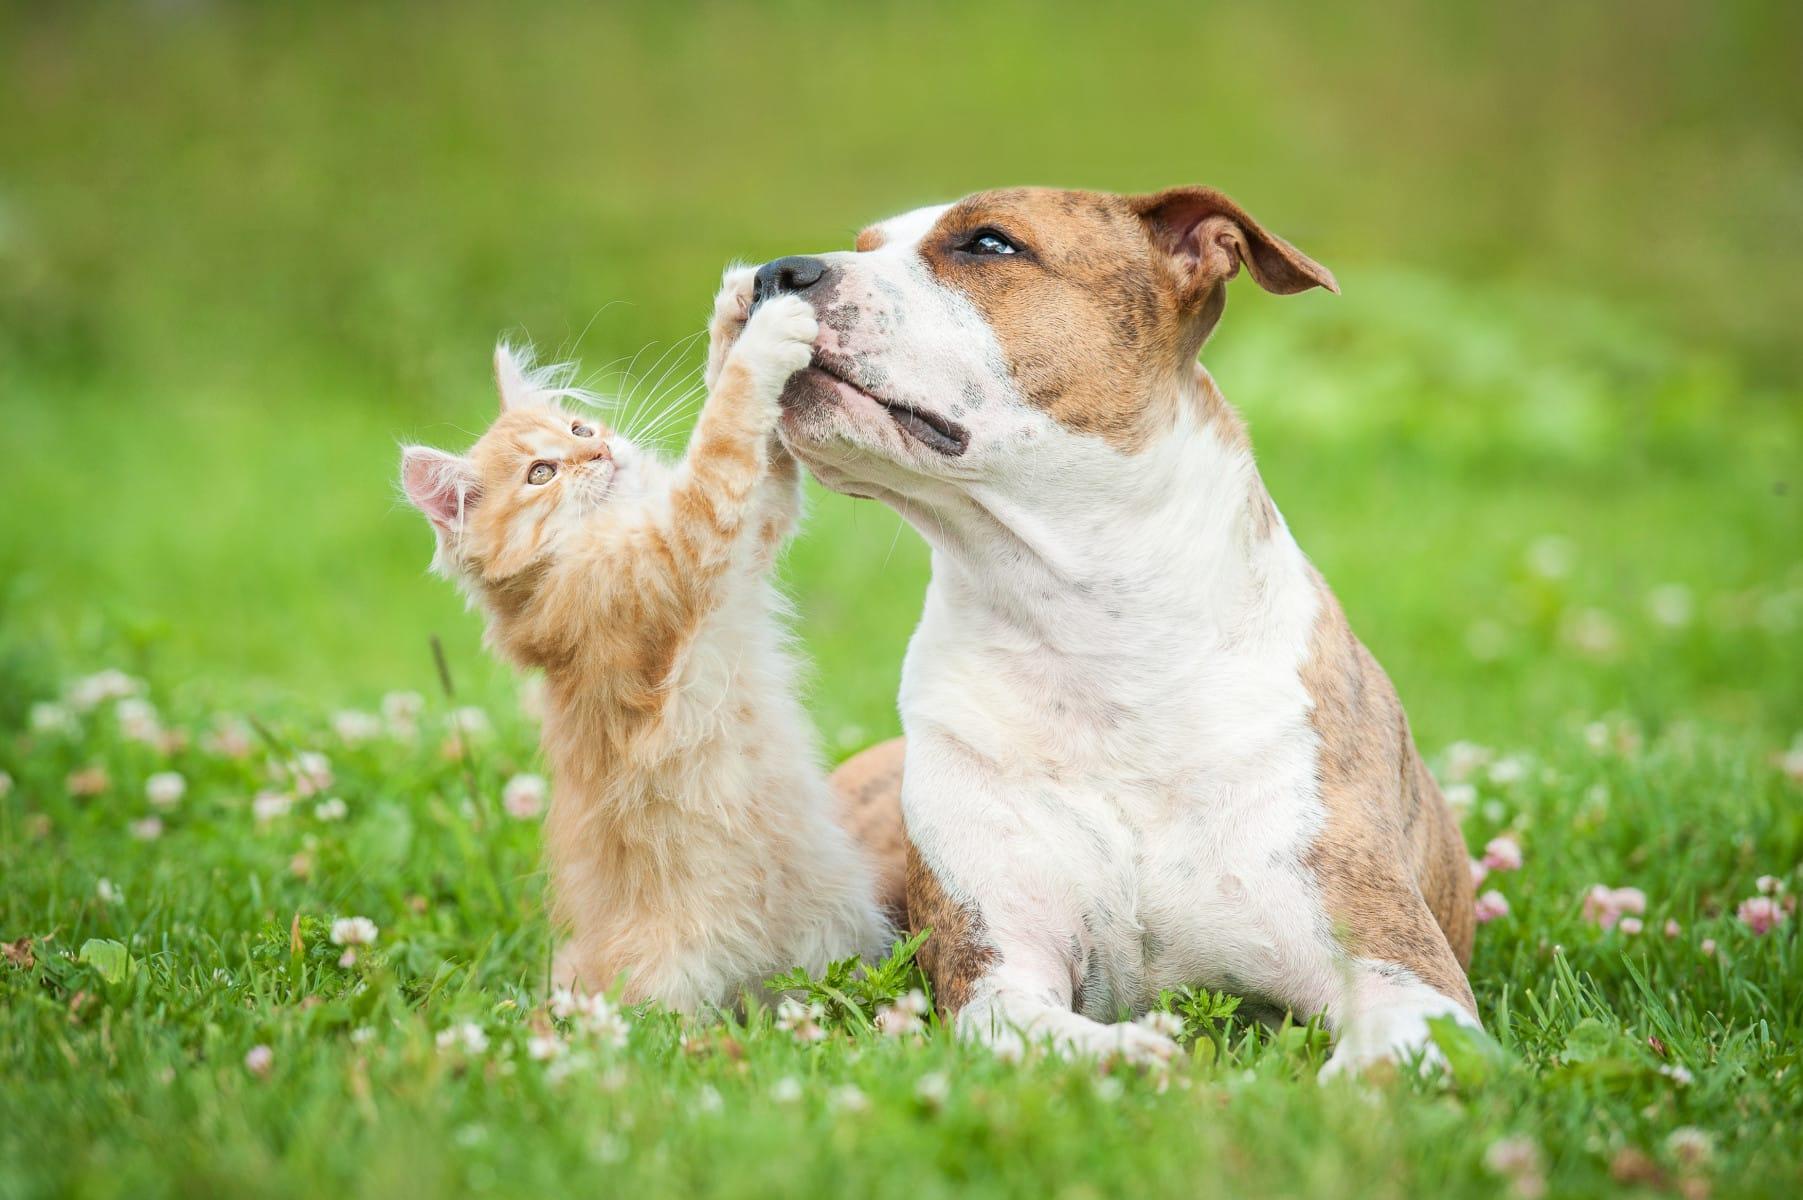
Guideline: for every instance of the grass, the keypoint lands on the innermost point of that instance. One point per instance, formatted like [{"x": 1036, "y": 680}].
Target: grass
[{"x": 1544, "y": 447}]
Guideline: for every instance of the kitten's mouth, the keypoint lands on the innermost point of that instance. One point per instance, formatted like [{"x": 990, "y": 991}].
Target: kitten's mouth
[
  {"x": 936, "y": 433},
  {"x": 598, "y": 480}
]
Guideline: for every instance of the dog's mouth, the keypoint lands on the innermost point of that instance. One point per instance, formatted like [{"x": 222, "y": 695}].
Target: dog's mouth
[{"x": 936, "y": 433}]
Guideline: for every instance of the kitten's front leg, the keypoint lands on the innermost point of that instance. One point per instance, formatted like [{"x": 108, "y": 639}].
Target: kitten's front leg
[
  {"x": 727, "y": 457},
  {"x": 781, "y": 499},
  {"x": 732, "y": 306}
]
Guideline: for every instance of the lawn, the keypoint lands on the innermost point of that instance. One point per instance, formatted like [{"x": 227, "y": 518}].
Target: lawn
[{"x": 1545, "y": 447}]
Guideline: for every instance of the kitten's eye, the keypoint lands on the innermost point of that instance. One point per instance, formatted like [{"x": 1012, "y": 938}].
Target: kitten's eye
[
  {"x": 988, "y": 241},
  {"x": 581, "y": 430},
  {"x": 541, "y": 472}
]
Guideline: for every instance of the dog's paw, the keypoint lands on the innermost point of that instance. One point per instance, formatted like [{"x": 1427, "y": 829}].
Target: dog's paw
[
  {"x": 1073, "y": 1035},
  {"x": 1141, "y": 1047},
  {"x": 1381, "y": 1044},
  {"x": 778, "y": 341}
]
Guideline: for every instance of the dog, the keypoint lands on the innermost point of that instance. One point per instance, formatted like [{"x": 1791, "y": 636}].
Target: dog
[{"x": 1143, "y": 748}]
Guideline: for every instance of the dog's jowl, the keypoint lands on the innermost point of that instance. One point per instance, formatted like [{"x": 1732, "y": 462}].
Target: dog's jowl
[{"x": 1144, "y": 748}]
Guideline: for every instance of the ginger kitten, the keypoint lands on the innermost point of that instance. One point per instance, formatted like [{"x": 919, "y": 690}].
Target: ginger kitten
[{"x": 694, "y": 843}]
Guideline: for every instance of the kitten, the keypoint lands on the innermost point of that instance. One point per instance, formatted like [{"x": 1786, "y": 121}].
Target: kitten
[{"x": 694, "y": 843}]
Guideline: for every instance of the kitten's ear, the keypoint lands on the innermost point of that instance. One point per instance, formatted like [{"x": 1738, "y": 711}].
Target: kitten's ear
[
  {"x": 513, "y": 378},
  {"x": 443, "y": 486}
]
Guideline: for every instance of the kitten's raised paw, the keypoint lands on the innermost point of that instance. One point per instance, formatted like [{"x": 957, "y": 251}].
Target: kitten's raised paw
[
  {"x": 732, "y": 303},
  {"x": 778, "y": 341}
]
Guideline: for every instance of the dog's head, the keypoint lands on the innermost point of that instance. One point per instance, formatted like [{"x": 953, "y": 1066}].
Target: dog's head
[{"x": 955, "y": 337}]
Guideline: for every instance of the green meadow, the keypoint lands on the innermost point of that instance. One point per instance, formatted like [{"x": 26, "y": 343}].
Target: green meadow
[{"x": 1545, "y": 447}]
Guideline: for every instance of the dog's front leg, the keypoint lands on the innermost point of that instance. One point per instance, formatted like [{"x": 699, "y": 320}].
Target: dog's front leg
[{"x": 1001, "y": 887}]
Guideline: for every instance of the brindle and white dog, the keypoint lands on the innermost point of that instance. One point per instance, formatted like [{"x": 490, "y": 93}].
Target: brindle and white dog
[{"x": 1143, "y": 748}]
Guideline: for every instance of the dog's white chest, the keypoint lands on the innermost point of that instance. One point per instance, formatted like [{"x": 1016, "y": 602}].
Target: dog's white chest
[
  {"x": 1188, "y": 874},
  {"x": 1201, "y": 885}
]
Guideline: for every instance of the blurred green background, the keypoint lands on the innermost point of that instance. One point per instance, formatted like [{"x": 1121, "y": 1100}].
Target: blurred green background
[{"x": 1545, "y": 446}]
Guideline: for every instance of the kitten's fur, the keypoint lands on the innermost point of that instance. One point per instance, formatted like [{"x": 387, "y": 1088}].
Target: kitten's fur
[{"x": 693, "y": 842}]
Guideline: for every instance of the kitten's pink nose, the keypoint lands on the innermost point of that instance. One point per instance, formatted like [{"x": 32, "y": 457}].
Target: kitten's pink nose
[{"x": 602, "y": 454}]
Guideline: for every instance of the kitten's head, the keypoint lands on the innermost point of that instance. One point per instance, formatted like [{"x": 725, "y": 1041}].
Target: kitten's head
[{"x": 535, "y": 475}]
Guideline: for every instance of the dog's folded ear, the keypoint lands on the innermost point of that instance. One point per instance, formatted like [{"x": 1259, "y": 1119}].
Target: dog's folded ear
[{"x": 1208, "y": 236}]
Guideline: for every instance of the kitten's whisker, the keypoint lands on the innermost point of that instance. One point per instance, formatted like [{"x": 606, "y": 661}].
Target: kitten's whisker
[
  {"x": 675, "y": 406},
  {"x": 633, "y": 393}
]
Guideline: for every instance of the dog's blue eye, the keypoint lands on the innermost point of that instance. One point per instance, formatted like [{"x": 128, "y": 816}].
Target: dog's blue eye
[{"x": 988, "y": 241}]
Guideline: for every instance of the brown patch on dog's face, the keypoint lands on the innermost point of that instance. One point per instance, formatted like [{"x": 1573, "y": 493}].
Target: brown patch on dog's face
[
  {"x": 1089, "y": 322},
  {"x": 958, "y": 953},
  {"x": 868, "y": 239},
  {"x": 1100, "y": 302},
  {"x": 1391, "y": 863}
]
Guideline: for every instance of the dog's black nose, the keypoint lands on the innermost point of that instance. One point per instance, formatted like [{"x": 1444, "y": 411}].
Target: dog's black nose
[{"x": 796, "y": 273}]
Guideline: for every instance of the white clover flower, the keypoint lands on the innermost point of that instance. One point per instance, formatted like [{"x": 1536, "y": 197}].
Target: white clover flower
[
  {"x": 471, "y": 722},
  {"x": 1464, "y": 758},
  {"x": 1490, "y": 906},
  {"x": 467, "y": 1037},
  {"x": 564, "y": 1003},
  {"x": 1167, "y": 1023},
  {"x": 1514, "y": 1157},
  {"x": 1109, "y": 1088},
  {"x": 786, "y": 1090},
  {"x": 604, "y": 1022},
  {"x": 1676, "y": 1072},
  {"x": 1551, "y": 557},
  {"x": 847, "y": 1098},
  {"x": 107, "y": 893},
  {"x": 542, "y": 1047},
  {"x": 91, "y": 691},
  {"x": 801, "y": 1021},
  {"x": 148, "y": 829},
  {"x": 312, "y": 773},
  {"x": 1690, "y": 1146},
  {"x": 259, "y": 1061},
  {"x": 934, "y": 1089},
  {"x": 1592, "y": 631},
  {"x": 402, "y": 707},
  {"x": 363, "y": 1035},
  {"x": 354, "y": 931},
  {"x": 1508, "y": 770},
  {"x": 524, "y": 796},
  {"x": 49, "y": 717},
  {"x": 6, "y": 785},
  {"x": 894, "y": 1022},
  {"x": 354, "y": 727},
  {"x": 1768, "y": 885},
  {"x": 230, "y": 737},
  {"x": 270, "y": 806},
  {"x": 138, "y": 721},
  {"x": 1670, "y": 605},
  {"x": 330, "y": 809},
  {"x": 165, "y": 789},
  {"x": 1461, "y": 798},
  {"x": 708, "y": 1099}
]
